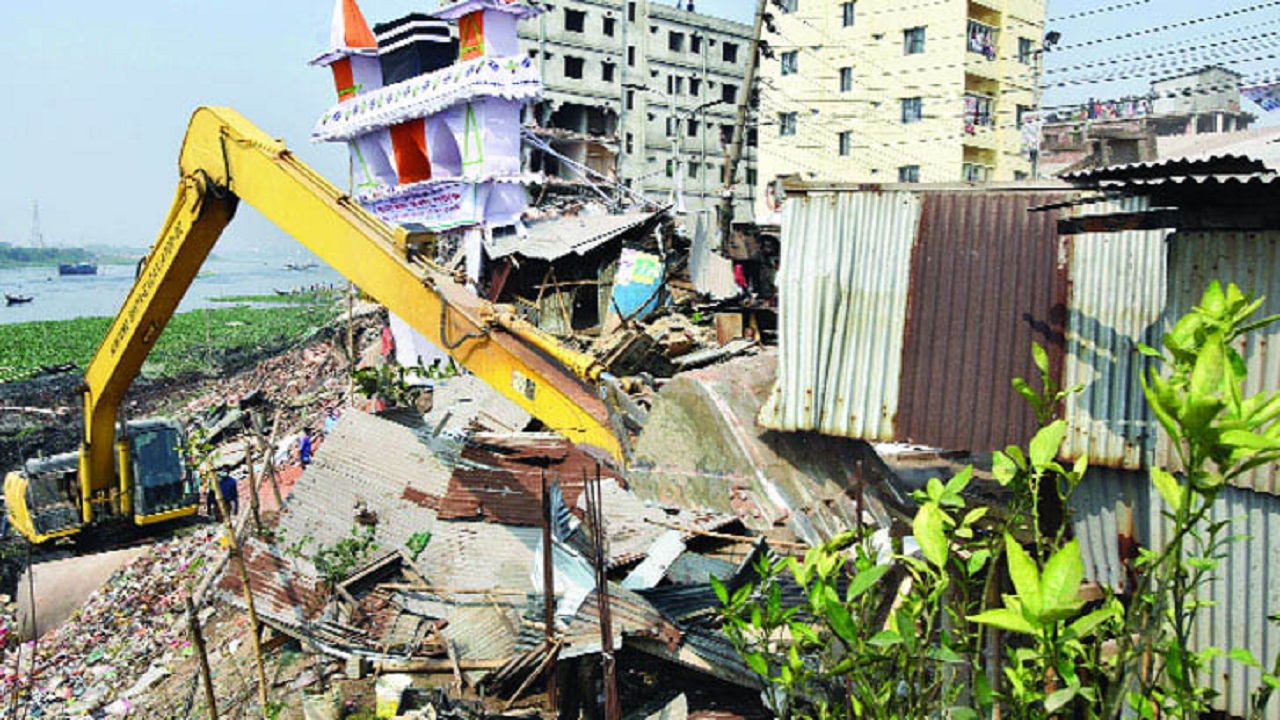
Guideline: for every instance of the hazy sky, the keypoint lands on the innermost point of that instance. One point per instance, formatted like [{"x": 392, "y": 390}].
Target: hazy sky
[{"x": 98, "y": 93}]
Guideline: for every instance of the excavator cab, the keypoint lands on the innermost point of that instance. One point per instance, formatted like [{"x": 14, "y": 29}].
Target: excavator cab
[
  {"x": 163, "y": 486},
  {"x": 44, "y": 501}
]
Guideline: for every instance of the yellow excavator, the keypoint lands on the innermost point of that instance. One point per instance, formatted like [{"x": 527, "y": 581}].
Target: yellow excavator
[{"x": 135, "y": 472}]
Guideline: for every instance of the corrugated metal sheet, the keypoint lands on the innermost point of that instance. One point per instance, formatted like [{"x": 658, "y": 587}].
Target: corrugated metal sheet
[
  {"x": 1246, "y": 592},
  {"x": 1252, "y": 261},
  {"x": 554, "y": 239},
  {"x": 711, "y": 272},
  {"x": 1213, "y": 164},
  {"x": 846, "y": 261},
  {"x": 480, "y": 556},
  {"x": 988, "y": 278},
  {"x": 1117, "y": 298},
  {"x": 500, "y": 477},
  {"x": 384, "y": 466}
]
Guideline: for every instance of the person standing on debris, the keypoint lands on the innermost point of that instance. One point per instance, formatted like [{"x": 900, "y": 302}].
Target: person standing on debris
[
  {"x": 230, "y": 493},
  {"x": 304, "y": 447}
]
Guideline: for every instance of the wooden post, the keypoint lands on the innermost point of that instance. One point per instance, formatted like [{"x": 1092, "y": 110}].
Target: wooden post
[
  {"x": 197, "y": 639},
  {"x": 253, "y": 489},
  {"x": 548, "y": 589},
  {"x": 255, "y": 635}
]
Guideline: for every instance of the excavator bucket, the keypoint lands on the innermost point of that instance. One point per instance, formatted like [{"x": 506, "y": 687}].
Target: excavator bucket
[{"x": 40, "y": 500}]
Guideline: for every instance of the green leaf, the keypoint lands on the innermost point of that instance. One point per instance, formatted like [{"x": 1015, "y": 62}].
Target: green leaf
[
  {"x": 1059, "y": 699},
  {"x": 964, "y": 713},
  {"x": 1214, "y": 301},
  {"x": 722, "y": 593},
  {"x": 758, "y": 664},
  {"x": 959, "y": 482},
  {"x": 1041, "y": 358},
  {"x": 1003, "y": 468},
  {"x": 1164, "y": 403},
  {"x": 1207, "y": 376},
  {"x": 1025, "y": 576},
  {"x": 1044, "y": 446},
  {"x": 929, "y": 528},
  {"x": 838, "y": 617},
  {"x": 977, "y": 561},
  {"x": 887, "y": 638},
  {"x": 1244, "y": 657},
  {"x": 1168, "y": 487},
  {"x": 864, "y": 581},
  {"x": 1085, "y": 626},
  {"x": 1150, "y": 351},
  {"x": 1248, "y": 440},
  {"x": 1060, "y": 585},
  {"x": 1005, "y": 619},
  {"x": 1031, "y": 396}
]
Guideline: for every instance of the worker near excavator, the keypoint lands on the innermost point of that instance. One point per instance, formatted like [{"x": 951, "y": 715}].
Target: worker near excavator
[{"x": 304, "y": 447}]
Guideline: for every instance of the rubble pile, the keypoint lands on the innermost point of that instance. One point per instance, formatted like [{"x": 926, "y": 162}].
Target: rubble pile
[{"x": 124, "y": 639}]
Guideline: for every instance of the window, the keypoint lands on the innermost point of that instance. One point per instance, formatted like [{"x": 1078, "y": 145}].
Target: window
[
  {"x": 631, "y": 12},
  {"x": 974, "y": 172},
  {"x": 913, "y": 41},
  {"x": 675, "y": 41},
  {"x": 695, "y": 44},
  {"x": 575, "y": 21},
  {"x": 912, "y": 110},
  {"x": 846, "y": 143},
  {"x": 693, "y": 171},
  {"x": 606, "y": 71},
  {"x": 751, "y": 176},
  {"x": 610, "y": 26},
  {"x": 846, "y": 14},
  {"x": 573, "y": 67},
  {"x": 671, "y": 126},
  {"x": 631, "y": 56},
  {"x": 691, "y": 128},
  {"x": 1023, "y": 111},
  {"x": 671, "y": 168},
  {"x": 631, "y": 143},
  {"x": 788, "y": 6},
  {"x": 631, "y": 99},
  {"x": 791, "y": 62},
  {"x": 982, "y": 39},
  {"x": 846, "y": 79},
  {"x": 786, "y": 124},
  {"x": 695, "y": 86},
  {"x": 729, "y": 52},
  {"x": 909, "y": 174},
  {"x": 1026, "y": 50},
  {"x": 977, "y": 113},
  {"x": 675, "y": 85},
  {"x": 728, "y": 93}
]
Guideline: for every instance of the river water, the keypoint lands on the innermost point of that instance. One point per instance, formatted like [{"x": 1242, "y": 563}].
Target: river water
[{"x": 61, "y": 298}]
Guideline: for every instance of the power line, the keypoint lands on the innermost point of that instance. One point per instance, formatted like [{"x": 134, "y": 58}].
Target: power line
[
  {"x": 1098, "y": 11},
  {"x": 1170, "y": 26}
]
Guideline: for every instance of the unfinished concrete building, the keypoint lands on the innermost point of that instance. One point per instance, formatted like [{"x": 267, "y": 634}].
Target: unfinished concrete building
[{"x": 644, "y": 93}]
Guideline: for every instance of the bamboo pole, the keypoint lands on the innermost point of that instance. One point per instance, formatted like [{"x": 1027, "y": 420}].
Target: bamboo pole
[
  {"x": 197, "y": 639},
  {"x": 233, "y": 547},
  {"x": 254, "y": 506}
]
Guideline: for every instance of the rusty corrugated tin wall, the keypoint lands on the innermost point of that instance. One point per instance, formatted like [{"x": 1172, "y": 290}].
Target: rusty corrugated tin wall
[
  {"x": 1252, "y": 261},
  {"x": 1117, "y": 299},
  {"x": 988, "y": 278}
]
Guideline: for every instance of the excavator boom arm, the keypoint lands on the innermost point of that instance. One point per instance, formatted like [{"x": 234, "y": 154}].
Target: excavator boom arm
[{"x": 225, "y": 158}]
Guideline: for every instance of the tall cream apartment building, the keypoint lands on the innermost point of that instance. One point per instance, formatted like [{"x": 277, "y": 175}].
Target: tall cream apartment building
[{"x": 898, "y": 90}]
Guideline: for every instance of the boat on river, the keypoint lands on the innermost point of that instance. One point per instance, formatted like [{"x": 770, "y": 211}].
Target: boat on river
[
  {"x": 17, "y": 299},
  {"x": 79, "y": 268}
]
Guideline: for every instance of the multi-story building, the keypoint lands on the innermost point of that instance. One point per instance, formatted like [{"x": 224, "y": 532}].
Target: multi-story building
[
  {"x": 645, "y": 93},
  {"x": 886, "y": 91}
]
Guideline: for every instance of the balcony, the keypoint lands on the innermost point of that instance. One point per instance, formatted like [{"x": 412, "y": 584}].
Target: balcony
[
  {"x": 982, "y": 39},
  {"x": 979, "y": 115}
]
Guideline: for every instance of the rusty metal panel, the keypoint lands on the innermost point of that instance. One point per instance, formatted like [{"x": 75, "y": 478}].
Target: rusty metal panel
[
  {"x": 1252, "y": 261},
  {"x": 1118, "y": 288},
  {"x": 846, "y": 259},
  {"x": 988, "y": 278}
]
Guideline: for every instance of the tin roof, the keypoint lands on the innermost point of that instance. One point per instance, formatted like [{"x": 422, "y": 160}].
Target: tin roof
[{"x": 554, "y": 239}]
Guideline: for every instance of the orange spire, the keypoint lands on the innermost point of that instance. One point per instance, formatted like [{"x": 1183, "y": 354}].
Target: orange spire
[{"x": 349, "y": 29}]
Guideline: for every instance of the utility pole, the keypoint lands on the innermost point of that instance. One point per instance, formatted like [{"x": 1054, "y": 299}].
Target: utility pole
[{"x": 740, "y": 129}]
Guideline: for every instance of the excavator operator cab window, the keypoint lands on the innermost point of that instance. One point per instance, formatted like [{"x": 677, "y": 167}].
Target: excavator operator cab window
[{"x": 162, "y": 481}]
